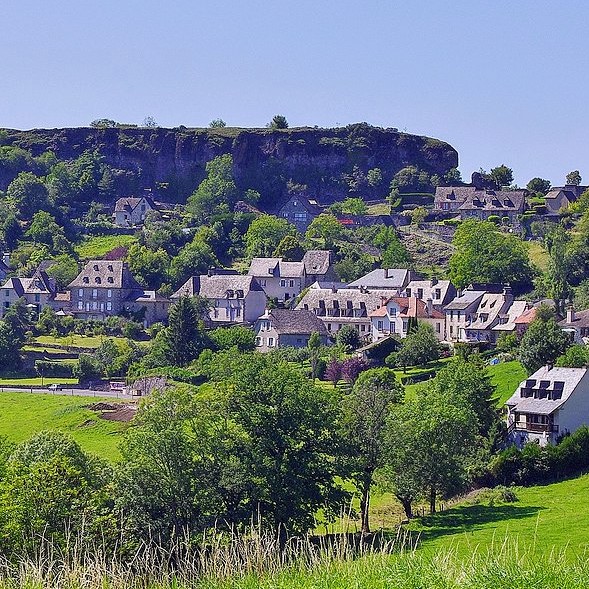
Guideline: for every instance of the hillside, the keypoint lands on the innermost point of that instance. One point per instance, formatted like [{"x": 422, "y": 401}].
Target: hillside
[{"x": 172, "y": 161}]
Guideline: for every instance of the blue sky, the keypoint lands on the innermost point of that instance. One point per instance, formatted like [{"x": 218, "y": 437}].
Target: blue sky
[{"x": 502, "y": 81}]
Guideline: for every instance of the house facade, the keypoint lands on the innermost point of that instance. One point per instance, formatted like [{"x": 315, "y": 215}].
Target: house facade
[
  {"x": 279, "y": 328},
  {"x": 441, "y": 292},
  {"x": 577, "y": 324},
  {"x": 131, "y": 211},
  {"x": 558, "y": 199},
  {"x": 459, "y": 314},
  {"x": 234, "y": 299},
  {"x": 38, "y": 291},
  {"x": 299, "y": 211},
  {"x": 393, "y": 317},
  {"x": 482, "y": 204},
  {"x": 551, "y": 403},
  {"x": 347, "y": 306},
  {"x": 278, "y": 279}
]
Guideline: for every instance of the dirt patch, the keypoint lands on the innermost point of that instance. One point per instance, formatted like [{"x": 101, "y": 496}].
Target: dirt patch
[{"x": 114, "y": 411}]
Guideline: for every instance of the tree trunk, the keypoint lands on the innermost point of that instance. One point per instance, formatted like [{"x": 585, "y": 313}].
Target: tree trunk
[
  {"x": 365, "y": 504},
  {"x": 432, "y": 500},
  {"x": 406, "y": 503}
]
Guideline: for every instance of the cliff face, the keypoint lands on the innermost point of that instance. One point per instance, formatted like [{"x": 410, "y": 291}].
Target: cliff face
[{"x": 172, "y": 161}]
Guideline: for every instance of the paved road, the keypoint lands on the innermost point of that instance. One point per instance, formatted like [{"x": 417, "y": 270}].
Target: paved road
[{"x": 64, "y": 391}]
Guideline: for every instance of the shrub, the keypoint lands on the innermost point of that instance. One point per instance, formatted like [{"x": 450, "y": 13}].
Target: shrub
[{"x": 50, "y": 369}]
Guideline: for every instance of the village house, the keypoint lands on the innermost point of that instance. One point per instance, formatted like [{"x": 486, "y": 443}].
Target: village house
[
  {"x": 577, "y": 324},
  {"x": 285, "y": 280},
  {"x": 558, "y": 199},
  {"x": 300, "y": 211},
  {"x": 234, "y": 298},
  {"x": 393, "y": 317},
  {"x": 38, "y": 291},
  {"x": 106, "y": 287},
  {"x": 450, "y": 198},
  {"x": 493, "y": 305},
  {"x": 551, "y": 403},
  {"x": 441, "y": 292},
  {"x": 347, "y": 306},
  {"x": 385, "y": 279},
  {"x": 523, "y": 321},
  {"x": 460, "y": 312},
  {"x": 282, "y": 327},
  {"x": 131, "y": 211},
  {"x": 483, "y": 204}
]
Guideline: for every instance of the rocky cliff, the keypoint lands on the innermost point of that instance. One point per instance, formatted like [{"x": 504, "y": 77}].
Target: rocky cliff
[{"x": 172, "y": 161}]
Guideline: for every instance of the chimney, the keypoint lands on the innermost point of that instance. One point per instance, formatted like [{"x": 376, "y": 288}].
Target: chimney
[
  {"x": 209, "y": 272},
  {"x": 570, "y": 314},
  {"x": 6, "y": 258},
  {"x": 434, "y": 281},
  {"x": 333, "y": 289},
  {"x": 387, "y": 273},
  {"x": 429, "y": 305}
]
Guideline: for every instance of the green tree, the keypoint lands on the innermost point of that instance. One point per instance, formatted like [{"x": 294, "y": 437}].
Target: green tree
[
  {"x": 581, "y": 296},
  {"x": 538, "y": 186},
  {"x": 577, "y": 356},
  {"x": 484, "y": 254},
  {"x": 63, "y": 269},
  {"x": 430, "y": 443},
  {"x": 543, "y": 342},
  {"x": 217, "y": 124},
  {"x": 573, "y": 178},
  {"x": 10, "y": 358},
  {"x": 44, "y": 230},
  {"x": 216, "y": 193},
  {"x": 225, "y": 338},
  {"x": 419, "y": 347},
  {"x": 195, "y": 258},
  {"x": 501, "y": 176},
  {"x": 314, "y": 348},
  {"x": 184, "y": 337},
  {"x": 289, "y": 249},
  {"x": 374, "y": 177},
  {"x": 11, "y": 231},
  {"x": 354, "y": 206},
  {"x": 348, "y": 338},
  {"x": 326, "y": 227},
  {"x": 265, "y": 234},
  {"x": 366, "y": 411},
  {"x": 29, "y": 195},
  {"x": 394, "y": 253},
  {"x": 148, "y": 266},
  {"x": 278, "y": 122}
]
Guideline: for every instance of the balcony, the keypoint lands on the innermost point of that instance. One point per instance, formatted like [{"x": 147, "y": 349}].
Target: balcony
[{"x": 542, "y": 428}]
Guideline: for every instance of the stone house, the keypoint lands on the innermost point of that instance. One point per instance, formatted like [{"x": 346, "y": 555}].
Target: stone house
[
  {"x": 234, "y": 298},
  {"x": 551, "y": 403},
  {"x": 460, "y": 312},
  {"x": 385, "y": 279},
  {"x": 348, "y": 306},
  {"x": 285, "y": 280},
  {"x": 300, "y": 211},
  {"x": 441, "y": 292},
  {"x": 482, "y": 204},
  {"x": 131, "y": 211},
  {"x": 450, "y": 198},
  {"x": 38, "y": 291},
  {"x": 106, "y": 287},
  {"x": 278, "y": 328},
  {"x": 577, "y": 324},
  {"x": 392, "y": 318},
  {"x": 560, "y": 198}
]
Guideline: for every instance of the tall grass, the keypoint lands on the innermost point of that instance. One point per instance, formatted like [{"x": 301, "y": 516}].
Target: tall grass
[{"x": 256, "y": 560}]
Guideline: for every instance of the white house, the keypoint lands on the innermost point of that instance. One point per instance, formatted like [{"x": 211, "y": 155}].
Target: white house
[
  {"x": 441, "y": 292},
  {"x": 131, "y": 211},
  {"x": 550, "y": 403},
  {"x": 278, "y": 279},
  {"x": 392, "y": 318},
  {"x": 234, "y": 299}
]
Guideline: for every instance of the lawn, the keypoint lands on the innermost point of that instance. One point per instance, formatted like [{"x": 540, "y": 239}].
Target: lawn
[
  {"x": 506, "y": 376},
  {"x": 73, "y": 341},
  {"x": 544, "y": 518},
  {"x": 23, "y": 414},
  {"x": 382, "y": 208},
  {"x": 538, "y": 255},
  {"x": 92, "y": 248},
  {"x": 35, "y": 381}
]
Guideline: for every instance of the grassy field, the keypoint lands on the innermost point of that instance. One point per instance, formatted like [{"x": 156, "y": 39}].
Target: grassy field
[
  {"x": 23, "y": 414},
  {"x": 73, "y": 341},
  {"x": 35, "y": 381},
  {"x": 506, "y": 376},
  {"x": 96, "y": 247},
  {"x": 538, "y": 255}
]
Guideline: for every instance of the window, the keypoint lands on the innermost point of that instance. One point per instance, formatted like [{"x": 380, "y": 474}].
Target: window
[
  {"x": 393, "y": 327},
  {"x": 379, "y": 325},
  {"x": 451, "y": 314},
  {"x": 362, "y": 327},
  {"x": 283, "y": 283},
  {"x": 451, "y": 330},
  {"x": 6, "y": 304},
  {"x": 262, "y": 282},
  {"x": 80, "y": 305},
  {"x": 94, "y": 293},
  {"x": 437, "y": 293},
  {"x": 216, "y": 313},
  {"x": 270, "y": 342},
  {"x": 98, "y": 280},
  {"x": 86, "y": 280},
  {"x": 299, "y": 340},
  {"x": 37, "y": 298},
  {"x": 420, "y": 293},
  {"x": 109, "y": 306},
  {"x": 102, "y": 306},
  {"x": 109, "y": 293},
  {"x": 300, "y": 216},
  {"x": 110, "y": 280},
  {"x": 238, "y": 312},
  {"x": 329, "y": 326},
  {"x": 6, "y": 293},
  {"x": 258, "y": 341},
  {"x": 291, "y": 283},
  {"x": 81, "y": 292},
  {"x": 87, "y": 306},
  {"x": 393, "y": 311},
  {"x": 95, "y": 267},
  {"x": 404, "y": 326},
  {"x": 438, "y": 328},
  {"x": 94, "y": 305}
]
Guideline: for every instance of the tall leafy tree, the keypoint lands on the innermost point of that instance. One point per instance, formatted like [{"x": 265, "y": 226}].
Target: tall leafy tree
[
  {"x": 543, "y": 342},
  {"x": 501, "y": 176},
  {"x": 366, "y": 411},
  {"x": 265, "y": 234},
  {"x": 573, "y": 178},
  {"x": 28, "y": 194},
  {"x": 326, "y": 227},
  {"x": 484, "y": 254},
  {"x": 148, "y": 266}
]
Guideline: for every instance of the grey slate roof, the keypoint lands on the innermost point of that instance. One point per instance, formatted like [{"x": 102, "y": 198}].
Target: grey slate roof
[
  {"x": 383, "y": 278},
  {"x": 317, "y": 262},
  {"x": 129, "y": 203},
  {"x": 262, "y": 267},
  {"x": 39, "y": 283},
  {"x": 495, "y": 200},
  {"x": 469, "y": 297},
  {"x": 546, "y": 403},
  {"x": 105, "y": 274},
  {"x": 296, "y": 322},
  {"x": 218, "y": 286},
  {"x": 455, "y": 194},
  {"x": 147, "y": 296},
  {"x": 316, "y": 298},
  {"x": 581, "y": 320}
]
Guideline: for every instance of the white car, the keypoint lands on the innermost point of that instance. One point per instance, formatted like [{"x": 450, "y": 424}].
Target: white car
[{"x": 54, "y": 387}]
